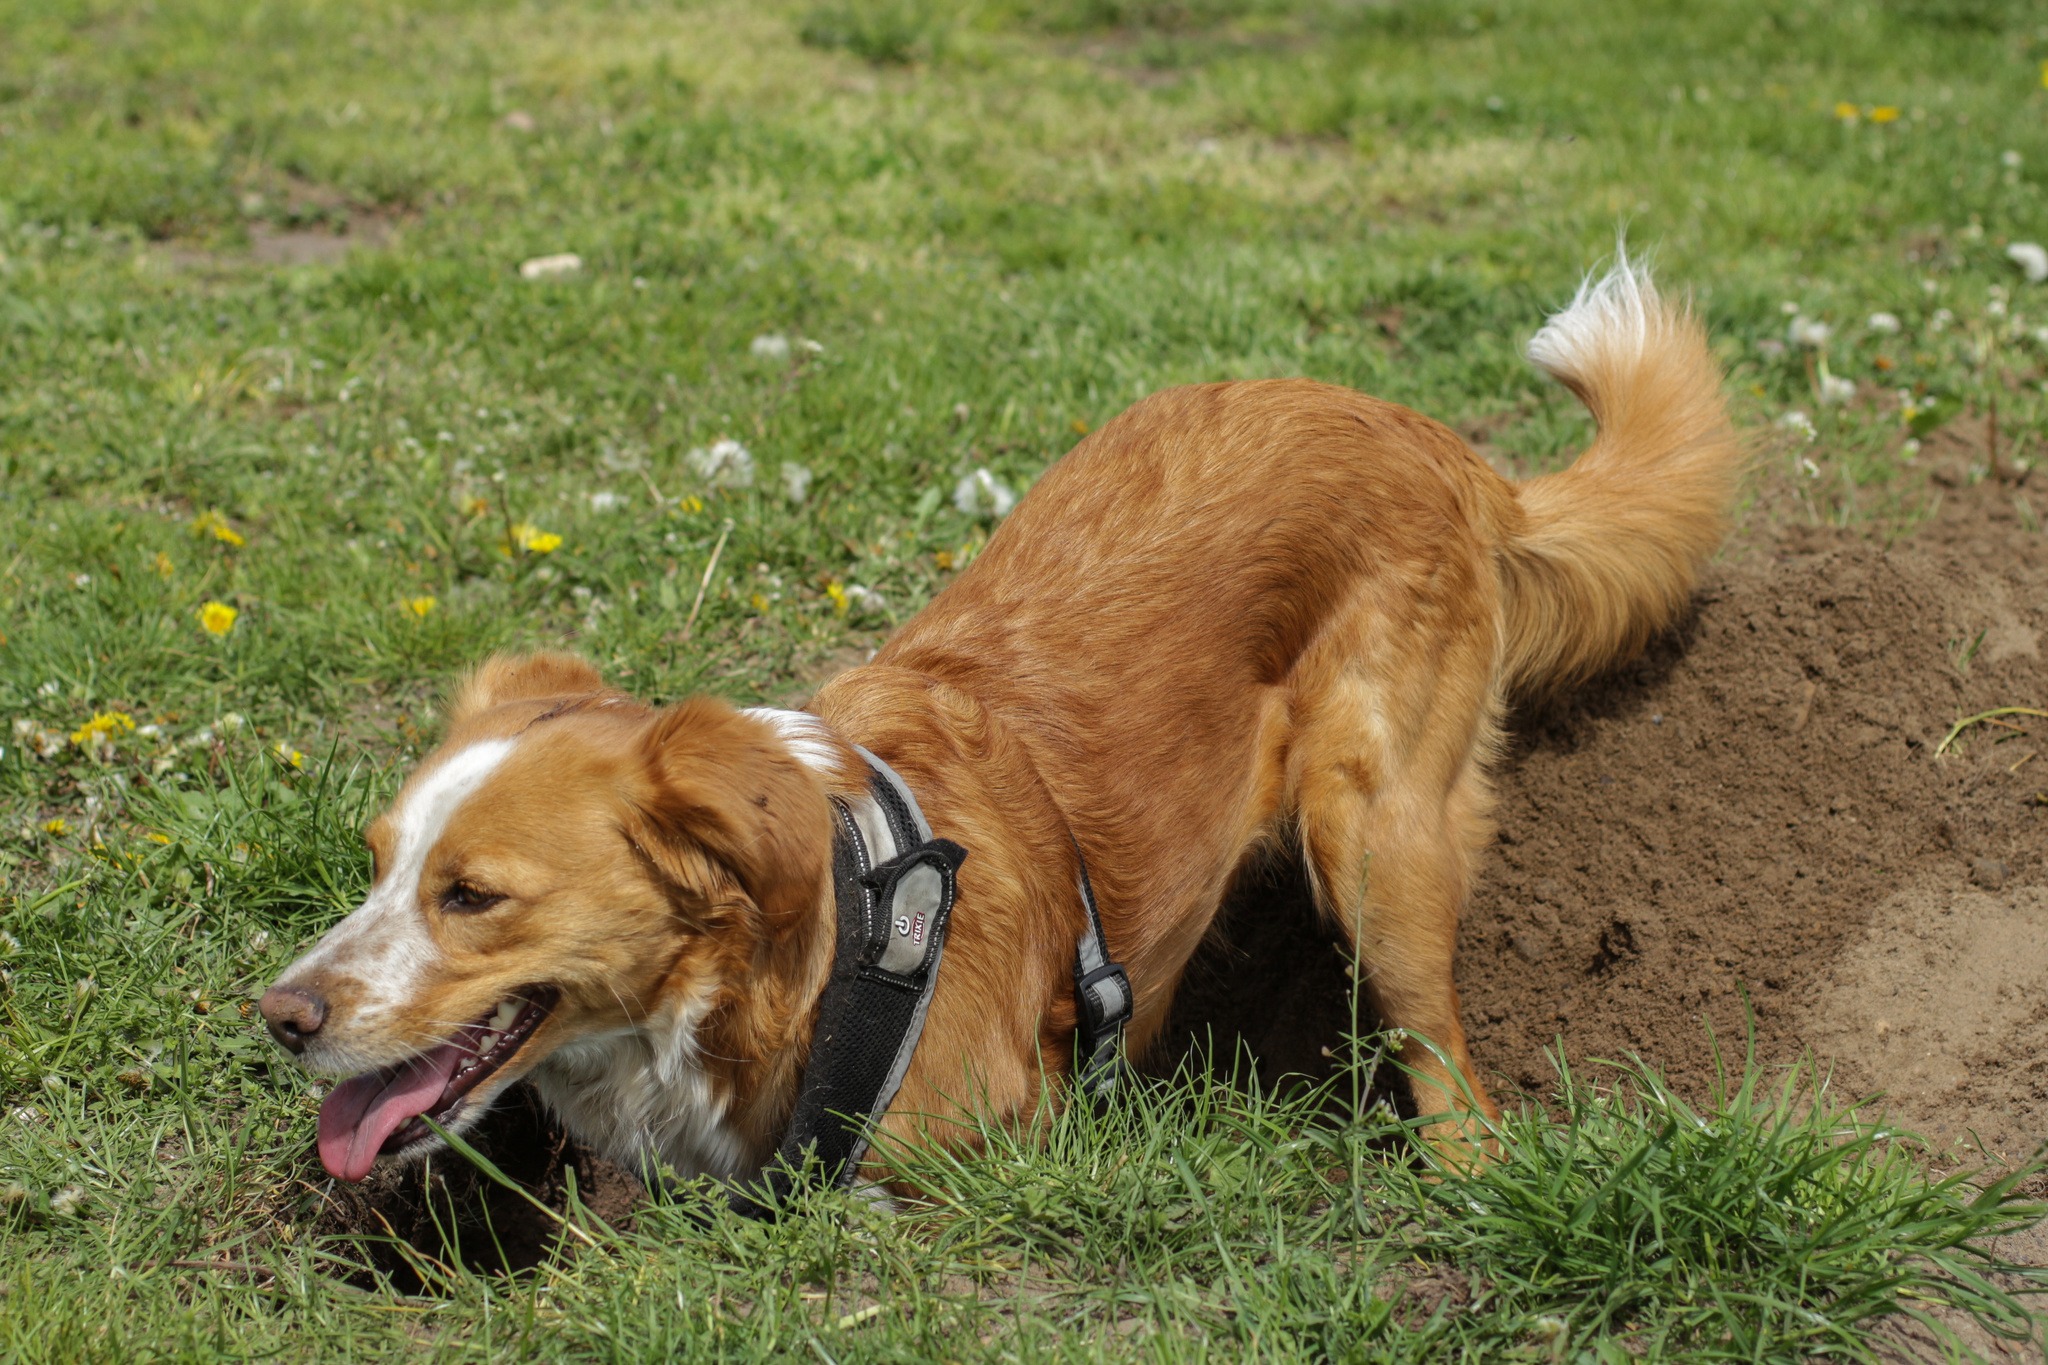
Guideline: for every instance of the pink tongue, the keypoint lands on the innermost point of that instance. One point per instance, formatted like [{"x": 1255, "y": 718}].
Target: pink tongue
[{"x": 362, "y": 1111}]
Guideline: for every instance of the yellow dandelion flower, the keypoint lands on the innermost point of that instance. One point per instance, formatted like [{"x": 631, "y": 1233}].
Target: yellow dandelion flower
[
  {"x": 944, "y": 559},
  {"x": 58, "y": 827},
  {"x": 2044, "y": 75},
  {"x": 157, "y": 837},
  {"x": 162, "y": 565},
  {"x": 837, "y": 592},
  {"x": 1845, "y": 111},
  {"x": 287, "y": 754},
  {"x": 215, "y": 525},
  {"x": 760, "y": 602},
  {"x": 218, "y": 618},
  {"x": 421, "y": 606},
  {"x": 1885, "y": 113},
  {"x": 533, "y": 540},
  {"x": 475, "y": 507},
  {"x": 103, "y": 724},
  {"x": 692, "y": 503}
]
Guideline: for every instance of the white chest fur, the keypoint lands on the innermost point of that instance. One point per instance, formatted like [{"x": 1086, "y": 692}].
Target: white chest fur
[{"x": 639, "y": 1096}]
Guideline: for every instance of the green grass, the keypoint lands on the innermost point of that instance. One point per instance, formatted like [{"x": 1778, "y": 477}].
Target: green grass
[{"x": 1001, "y": 223}]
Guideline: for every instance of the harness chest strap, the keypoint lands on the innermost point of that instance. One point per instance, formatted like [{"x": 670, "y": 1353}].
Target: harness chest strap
[{"x": 895, "y": 885}]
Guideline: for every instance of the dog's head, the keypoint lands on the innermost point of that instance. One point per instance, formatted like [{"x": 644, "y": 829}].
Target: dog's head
[{"x": 567, "y": 864}]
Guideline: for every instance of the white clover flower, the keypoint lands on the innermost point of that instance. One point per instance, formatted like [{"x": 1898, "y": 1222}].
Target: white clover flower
[
  {"x": 725, "y": 463},
  {"x": 769, "y": 346},
  {"x": 866, "y": 599},
  {"x": 64, "y": 1203},
  {"x": 2010, "y": 159},
  {"x": 605, "y": 500},
  {"x": 9, "y": 944},
  {"x": 1909, "y": 448},
  {"x": 550, "y": 267},
  {"x": 1812, "y": 469},
  {"x": 1887, "y": 323},
  {"x": 1797, "y": 420},
  {"x": 812, "y": 347},
  {"x": 1940, "y": 321},
  {"x": 981, "y": 494},
  {"x": 23, "y": 727},
  {"x": 259, "y": 941},
  {"x": 1836, "y": 390},
  {"x": 231, "y": 722},
  {"x": 796, "y": 481},
  {"x": 2031, "y": 258},
  {"x": 1806, "y": 331},
  {"x": 48, "y": 689}
]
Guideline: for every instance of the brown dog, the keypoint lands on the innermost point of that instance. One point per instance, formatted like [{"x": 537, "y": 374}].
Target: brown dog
[{"x": 1238, "y": 614}]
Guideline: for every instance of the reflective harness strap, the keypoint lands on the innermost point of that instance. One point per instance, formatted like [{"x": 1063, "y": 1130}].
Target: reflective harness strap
[
  {"x": 1102, "y": 992},
  {"x": 895, "y": 885}
]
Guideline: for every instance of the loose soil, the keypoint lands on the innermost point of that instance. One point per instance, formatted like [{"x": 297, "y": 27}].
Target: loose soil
[{"x": 1751, "y": 823}]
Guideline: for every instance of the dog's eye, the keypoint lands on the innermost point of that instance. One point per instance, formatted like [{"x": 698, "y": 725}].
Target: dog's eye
[{"x": 467, "y": 898}]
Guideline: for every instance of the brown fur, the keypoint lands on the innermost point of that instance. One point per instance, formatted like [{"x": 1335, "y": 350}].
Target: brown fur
[{"x": 1236, "y": 615}]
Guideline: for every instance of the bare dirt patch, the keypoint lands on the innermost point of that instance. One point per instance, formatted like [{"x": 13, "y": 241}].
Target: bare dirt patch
[{"x": 1753, "y": 817}]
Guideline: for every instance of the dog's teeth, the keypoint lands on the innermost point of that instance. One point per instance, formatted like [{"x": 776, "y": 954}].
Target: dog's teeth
[
  {"x": 507, "y": 1012},
  {"x": 489, "y": 1043}
]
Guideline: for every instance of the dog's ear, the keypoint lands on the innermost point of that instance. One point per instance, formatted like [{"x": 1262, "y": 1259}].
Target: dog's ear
[
  {"x": 521, "y": 677},
  {"x": 726, "y": 783}
]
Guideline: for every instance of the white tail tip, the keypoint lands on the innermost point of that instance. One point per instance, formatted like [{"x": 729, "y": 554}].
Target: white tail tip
[{"x": 1609, "y": 318}]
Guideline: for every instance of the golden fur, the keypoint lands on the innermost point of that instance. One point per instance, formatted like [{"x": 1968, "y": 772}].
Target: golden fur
[{"x": 1236, "y": 615}]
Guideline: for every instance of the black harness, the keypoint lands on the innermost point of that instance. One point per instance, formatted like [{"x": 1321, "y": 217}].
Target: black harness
[{"x": 895, "y": 884}]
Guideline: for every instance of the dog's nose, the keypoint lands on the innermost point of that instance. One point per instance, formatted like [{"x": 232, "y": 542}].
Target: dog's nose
[{"x": 294, "y": 1015}]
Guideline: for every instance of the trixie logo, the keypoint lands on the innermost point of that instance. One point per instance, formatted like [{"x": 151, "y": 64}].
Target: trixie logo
[{"x": 911, "y": 927}]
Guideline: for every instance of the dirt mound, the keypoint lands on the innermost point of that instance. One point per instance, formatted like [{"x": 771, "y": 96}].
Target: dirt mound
[{"x": 1755, "y": 810}]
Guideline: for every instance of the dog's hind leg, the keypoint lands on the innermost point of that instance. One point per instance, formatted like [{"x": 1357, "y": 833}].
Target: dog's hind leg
[{"x": 1392, "y": 803}]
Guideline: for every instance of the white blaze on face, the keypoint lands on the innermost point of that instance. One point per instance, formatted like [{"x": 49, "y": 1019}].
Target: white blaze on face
[
  {"x": 384, "y": 942},
  {"x": 806, "y": 737}
]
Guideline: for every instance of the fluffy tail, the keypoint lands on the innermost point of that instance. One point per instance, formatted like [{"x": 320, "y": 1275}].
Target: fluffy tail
[{"x": 1607, "y": 551}]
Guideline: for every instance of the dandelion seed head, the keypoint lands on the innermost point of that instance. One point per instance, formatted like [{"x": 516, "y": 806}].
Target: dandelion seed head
[
  {"x": 796, "y": 482},
  {"x": 725, "y": 463},
  {"x": 1809, "y": 332},
  {"x": 2031, "y": 258},
  {"x": 981, "y": 494}
]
